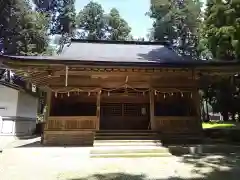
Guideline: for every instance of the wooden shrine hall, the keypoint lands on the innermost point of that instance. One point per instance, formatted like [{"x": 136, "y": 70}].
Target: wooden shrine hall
[{"x": 97, "y": 86}]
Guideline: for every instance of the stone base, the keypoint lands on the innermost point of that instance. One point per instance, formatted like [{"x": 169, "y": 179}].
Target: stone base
[{"x": 70, "y": 138}]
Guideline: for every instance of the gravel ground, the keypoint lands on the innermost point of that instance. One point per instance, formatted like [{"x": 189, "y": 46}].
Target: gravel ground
[{"x": 46, "y": 163}]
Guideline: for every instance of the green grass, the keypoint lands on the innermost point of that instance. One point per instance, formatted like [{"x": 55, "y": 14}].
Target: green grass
[{"x": 220, "y": 125}]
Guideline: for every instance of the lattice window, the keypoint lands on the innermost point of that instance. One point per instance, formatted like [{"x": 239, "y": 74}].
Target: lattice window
[
  {"x": 132, "y": 110},
  {"x": 111, "y": 109},
  {"x": 125, "y": 109}
]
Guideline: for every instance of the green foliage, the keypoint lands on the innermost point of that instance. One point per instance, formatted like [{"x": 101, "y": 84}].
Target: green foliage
[
  {"x": 92, "y": 21},
  {"x": 51, "y": 9},
  {"x": 177, "y": 21},
  {"x": 61, "y": 13},
  {"x": 63, "y": 18},
  {"x": 23, "y": 31},
  {"x": 95, "y": 24},
  {"x": 65, "y": 22},
  {"x": 220, "y": 38},
  {"x": 222, "y": 29},
  {"x": 117, "y": 27}
]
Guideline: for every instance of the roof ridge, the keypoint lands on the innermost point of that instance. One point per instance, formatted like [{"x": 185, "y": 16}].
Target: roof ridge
[{"x": 165, "y": 43}]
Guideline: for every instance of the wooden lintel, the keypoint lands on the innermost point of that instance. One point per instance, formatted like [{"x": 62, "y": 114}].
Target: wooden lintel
[
  {"x": 89, "y": 68},
  {"x": 104, "y": 85},
  {"x": 121, "y": 73}
]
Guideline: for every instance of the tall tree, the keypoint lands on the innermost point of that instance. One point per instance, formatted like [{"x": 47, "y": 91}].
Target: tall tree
[
  {"x": 47, "y": 6},
  {"x": 22, "y": 31},
  {"x": 61, "y": 12},
  {"x": 177, "y": 21},
  {"x": 62, "y": 17},
  {"x": 92, "y": 21},
  {"x": 222, "y": 28},
  {"x": 221, "y": 36},
  {"x": 50, "y": 8},
  {"x": 117, "y": 27},
  {"x": 65, "y": 22}
]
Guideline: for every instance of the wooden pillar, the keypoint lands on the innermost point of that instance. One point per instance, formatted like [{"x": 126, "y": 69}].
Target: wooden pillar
[
  {"x": 152, "y": 113},
  {"x": 196, "y": 98},
  {"x": 98, "y": 110},
  {"x": 47, "y": 108}
]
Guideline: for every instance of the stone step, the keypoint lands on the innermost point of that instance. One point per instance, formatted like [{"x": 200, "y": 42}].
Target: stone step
[
  {"x": 127, "y": 131},
  {"x": 125, "y": 137},
  {"x": 126, "y": 143},
  {"x": 130, "y": 149},
  {"x": 131, "y": 155},
  {"x": 124, "y": 133}
]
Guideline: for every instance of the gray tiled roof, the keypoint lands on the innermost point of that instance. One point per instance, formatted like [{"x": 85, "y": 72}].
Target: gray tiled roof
[{"x": 119, "y": 52}]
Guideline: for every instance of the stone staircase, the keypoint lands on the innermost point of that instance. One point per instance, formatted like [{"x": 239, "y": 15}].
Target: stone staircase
[
  {"x": 128, "y": 144},
  {"x": 126, "y": 135}
]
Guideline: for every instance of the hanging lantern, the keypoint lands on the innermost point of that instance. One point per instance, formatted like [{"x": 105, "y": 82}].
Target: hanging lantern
[
  {"x": 68, "y": 94},
  {"x": 108, "y": 93},
  {"x": 191, "y": 95},
  {"x": 164, "y": 96},
  {"x": 155, "y": 92},
  {"x": 56, "y": 94},
  {"x": 172, "y": 94},
  {"x": 181, "y": 94},
  {"x": 89, "y": 93}
]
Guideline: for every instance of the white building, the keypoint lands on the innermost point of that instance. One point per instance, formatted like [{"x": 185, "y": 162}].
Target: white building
[{"x": 18, "y": 110}]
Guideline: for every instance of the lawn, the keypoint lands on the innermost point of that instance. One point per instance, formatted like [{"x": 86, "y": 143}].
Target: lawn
[{"x": 220, "y": 125}]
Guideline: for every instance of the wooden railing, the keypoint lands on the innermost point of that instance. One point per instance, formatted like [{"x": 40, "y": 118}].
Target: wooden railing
[
  {"x": 177, "y": 123},
  {"x": 71, "y": 122}
]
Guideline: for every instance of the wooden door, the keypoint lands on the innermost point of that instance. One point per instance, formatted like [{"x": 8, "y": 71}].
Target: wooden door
[{"x": 124, "y": 116}]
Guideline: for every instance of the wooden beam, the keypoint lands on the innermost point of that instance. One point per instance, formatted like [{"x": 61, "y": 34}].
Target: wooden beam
[
  {"x": 92, "y": 68},
  {"x": 99, "y": 84},
  {"x": 122, "y": 73}
]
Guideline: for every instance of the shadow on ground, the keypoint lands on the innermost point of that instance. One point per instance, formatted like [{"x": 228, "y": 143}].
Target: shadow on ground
[{"x": 208, "y": 167}]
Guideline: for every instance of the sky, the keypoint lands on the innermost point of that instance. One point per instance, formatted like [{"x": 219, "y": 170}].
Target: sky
[{"x": 133, "y": 11}]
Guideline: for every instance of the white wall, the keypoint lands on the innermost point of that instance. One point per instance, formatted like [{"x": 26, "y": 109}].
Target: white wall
[
  {"x": 22, "y": 109},
  {"x": 8, "y": 101},
  {"x": 27, "y": 105}
]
